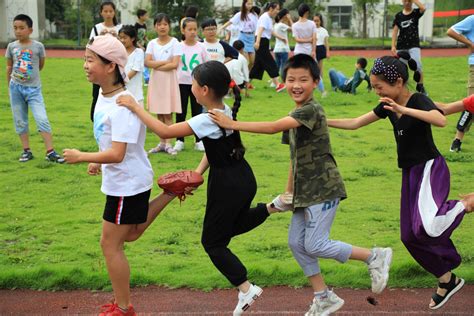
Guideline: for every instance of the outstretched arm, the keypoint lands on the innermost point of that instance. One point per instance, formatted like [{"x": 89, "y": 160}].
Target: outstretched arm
[
  {"x": 353, "y": 123},
  {"x": 450, "y": 108},
  {"x": 433, "y": 117},
  {"x": 203, "y": 165},
  {"x": 114, "y": 154},
  {"x": 280, "y": 125},
  {"x": 164, "y": 131}
]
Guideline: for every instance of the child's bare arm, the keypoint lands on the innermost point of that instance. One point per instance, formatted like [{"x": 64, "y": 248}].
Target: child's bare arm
[
  {"x": 394, "y": 39},
  {"x": 420, "y": 5},
  {"x": 41, "y": 63},
  {"x": 451, "y": 108},
  {"x": 114, "y": 154},
  {"x": 289, "y": 184},
  {"x": 203, "y": 165},
  {"x": 433, "y": 117},
  {"x": 176, "y": 130},
  {"x": 280, "y": 125},
  {"x": 353, "y": 123},
  {"x": 170, "y": 64},
  {"x": 9, "y": 70}
]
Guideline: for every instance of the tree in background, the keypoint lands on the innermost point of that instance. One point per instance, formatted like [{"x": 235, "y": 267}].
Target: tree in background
[
  {"x": 54, "y": 11},
  {"x": 175, "y": 9},
  {"x": 366, "y": 8}
]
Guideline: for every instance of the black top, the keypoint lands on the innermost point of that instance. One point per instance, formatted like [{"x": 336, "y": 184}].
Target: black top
[
  {"x": 140, "y": 26},
  {"x": 415, "y": 143},
  {"x": 408, "y": 29}
]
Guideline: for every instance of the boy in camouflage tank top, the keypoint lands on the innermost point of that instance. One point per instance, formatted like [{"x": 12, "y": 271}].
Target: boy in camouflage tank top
[{"x": 316, "y": 184}]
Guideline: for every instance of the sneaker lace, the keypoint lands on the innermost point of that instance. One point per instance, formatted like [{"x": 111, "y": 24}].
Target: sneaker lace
[{"x": 107, "y": 308}]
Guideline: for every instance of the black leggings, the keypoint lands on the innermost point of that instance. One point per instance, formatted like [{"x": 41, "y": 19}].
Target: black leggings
[
  {"x": 264, "y": 62},
  {"x": 464, "y": 122},
  {"x": 95, "y": 95},
  {"x": 196, "y": 109}
]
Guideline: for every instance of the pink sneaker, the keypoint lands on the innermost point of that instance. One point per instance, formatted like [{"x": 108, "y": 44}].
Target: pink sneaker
[{"x": 280, "y": 87}]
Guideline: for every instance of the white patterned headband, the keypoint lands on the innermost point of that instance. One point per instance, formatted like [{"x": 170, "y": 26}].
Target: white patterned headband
[{"x": 390, "y": 72}]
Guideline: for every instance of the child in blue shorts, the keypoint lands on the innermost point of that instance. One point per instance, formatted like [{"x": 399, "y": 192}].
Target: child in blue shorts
[{"x": 25, "y": 59}]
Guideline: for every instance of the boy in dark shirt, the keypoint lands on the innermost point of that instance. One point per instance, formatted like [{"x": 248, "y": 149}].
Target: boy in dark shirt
[
  {"x": 341, "y": 82},
  {"x": 405, "y": 35}
]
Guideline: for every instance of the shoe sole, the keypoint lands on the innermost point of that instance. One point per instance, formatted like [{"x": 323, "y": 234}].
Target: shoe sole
[
  {"x": 333, "y": 308},
  {"x": 247, "y": 306},
  {"x": 446, "y": 299},
  {"x": 387, "y": 262}
]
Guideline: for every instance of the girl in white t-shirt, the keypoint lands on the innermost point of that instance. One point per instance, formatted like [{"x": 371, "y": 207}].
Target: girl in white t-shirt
[
  {"x": 304, "y": 32},
  {"x": 231, "y": 182},
  {"x": 282, "y": 48},
  {"x": 111, "y": 26},
  {"x": 246, "y": 21},
  {"x": 127, "y": 176},
  {"x": 162, "y": 56},
  {"x": 322, "y": 47},
  {"x": 194, "y": 54},
  {"x": 135, "y": 62}
]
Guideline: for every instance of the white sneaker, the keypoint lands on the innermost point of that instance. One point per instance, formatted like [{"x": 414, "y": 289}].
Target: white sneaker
[
  {"x": 247, "y": 299},
  {"x": 272, "y": 85},
  {"x": 283, "y": 202},
  {"x": 179, "y": 145},
  {"x": 199, "y": 146},
  {"x": 324, "y": 94},
  {"x": 326, "y": 305},
  {"x": 379, "y": 268}
]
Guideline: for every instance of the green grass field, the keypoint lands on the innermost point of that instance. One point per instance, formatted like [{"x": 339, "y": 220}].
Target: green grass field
[{"x": 51, "y": 214}]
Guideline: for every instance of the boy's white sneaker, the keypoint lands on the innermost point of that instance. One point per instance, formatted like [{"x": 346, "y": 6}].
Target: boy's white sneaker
[
  {"x": 247, "y": 299},
  {"x": 325, "y": 305},
  {"x": 283, "y": 202},
  {"x": 179, "y": 145},
  {"x": 379, "y": 268},
  {"x": 199, "y": 146}
]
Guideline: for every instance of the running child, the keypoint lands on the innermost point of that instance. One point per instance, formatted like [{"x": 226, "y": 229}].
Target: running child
[
  {"x": 263, "y": 58},
  {"x": 246, "y": 22},
  {"x": 231, "y": 182},
  {"x": 304, "y": 32},
  {"x": 317, "y": 187},
  {"x": 405, "y": 35},
  {"x": 135, "y": 62},
  {"x": 283, "y": 24},
  {"x": 25, "y": 60},
  {"x": 427, "y": 218},
  {"x": 109, "y": 25},
  {"x": 194, "y": 54},
  {"x": 322, "y": 47},
  {"x": 127, "y": 176},
  {"x": 162, "y": 57}
]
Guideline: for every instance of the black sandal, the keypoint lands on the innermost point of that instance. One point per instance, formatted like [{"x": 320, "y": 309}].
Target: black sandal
[{"x": 451, "y": 288}]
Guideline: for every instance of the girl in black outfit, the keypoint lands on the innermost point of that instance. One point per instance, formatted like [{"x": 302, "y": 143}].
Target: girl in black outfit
[{"x": 231, "y": 184}]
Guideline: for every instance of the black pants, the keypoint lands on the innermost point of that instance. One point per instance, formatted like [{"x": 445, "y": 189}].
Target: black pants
[
  {"x": 237, "y": 100},
  {"x": 95, "y": 95},
  {"x": 216, "y": 238},
  {"x": 196, "y": 109},
  {"x": 264, "y": 62}
]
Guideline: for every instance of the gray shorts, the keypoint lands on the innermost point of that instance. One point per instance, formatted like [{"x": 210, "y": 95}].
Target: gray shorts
[{"x": 415, "y": 53}]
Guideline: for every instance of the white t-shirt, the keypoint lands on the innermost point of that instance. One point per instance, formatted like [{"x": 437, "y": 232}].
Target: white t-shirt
[
  {"x": 114, "y": 123},
  {"x": 239, "y": 69},
  {"x": 282, "y": 30},
  {"x": 101, "y": 27},
  {"x": 164, "y": 52},
  {"x": 234, "y": 33},
  {"x": 249, "y": 25},
  {"x": 322, "y": 34},
  {"x": 203, "y": 126},
  {"x": 266, "y": 22},
  {"x": 303, "y": 30},
  {"x": 191, "y": 58},
  {"x": 135, "y": 62},
  {"x": 215, "y": 51}
]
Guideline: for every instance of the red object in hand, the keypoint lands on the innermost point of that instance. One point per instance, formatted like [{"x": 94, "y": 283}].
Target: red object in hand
[{"x": 176, "y": 182}]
